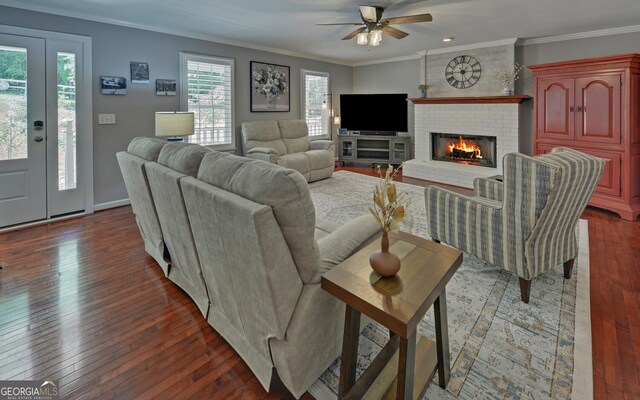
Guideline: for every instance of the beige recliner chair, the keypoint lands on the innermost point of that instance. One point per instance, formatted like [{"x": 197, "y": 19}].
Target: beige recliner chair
[
  {"x": 255, "y": 231},
  {"x": 176, "y": 161},
  {"x": 287, "y": 143},
  {"x": 140, "y": 151}
]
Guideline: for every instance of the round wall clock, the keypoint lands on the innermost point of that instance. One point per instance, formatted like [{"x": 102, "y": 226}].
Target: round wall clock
[{"x": 463, "y": 72}]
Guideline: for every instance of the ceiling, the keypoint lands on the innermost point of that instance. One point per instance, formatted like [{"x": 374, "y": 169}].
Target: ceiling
[{"x": 289, "y": 25}]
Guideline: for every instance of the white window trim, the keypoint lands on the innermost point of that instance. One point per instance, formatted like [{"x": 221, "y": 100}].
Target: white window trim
[
  {"x": 303, "y": 97},
  {"x": 184, "y": 95}
]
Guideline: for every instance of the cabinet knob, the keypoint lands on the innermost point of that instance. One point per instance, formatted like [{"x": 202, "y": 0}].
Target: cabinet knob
[
  {"x": 579, "y": 109},
  {"x": 570, "y": 108}
]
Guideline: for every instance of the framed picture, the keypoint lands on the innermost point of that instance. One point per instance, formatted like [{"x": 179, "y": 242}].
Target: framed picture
[
  {"x": 113, "y": 85},
  {"x": 270, "y": 90},
  {"x": 165, "y": 87},
  {"x": 139, "y": 72}
]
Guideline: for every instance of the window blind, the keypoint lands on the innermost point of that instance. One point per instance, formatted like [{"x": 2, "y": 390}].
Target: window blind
[
  {"x": 316, "y": 86},
  {"x": 210, "y": 97}
]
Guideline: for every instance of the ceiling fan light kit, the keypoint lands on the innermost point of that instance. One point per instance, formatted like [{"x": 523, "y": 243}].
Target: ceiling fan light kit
[
  {"x": 362, "y": 38},
  {"x": 375, "y": 26},
  {"x": 375, "y": 37}
]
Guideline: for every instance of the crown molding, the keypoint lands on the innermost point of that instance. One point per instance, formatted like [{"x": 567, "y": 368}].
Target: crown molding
[
  {"x": 386, "y": 60},
  {"x": 581, "y": 35},
  {"x": 175, "y": 32},
  {"x": 464, "y": 47}
]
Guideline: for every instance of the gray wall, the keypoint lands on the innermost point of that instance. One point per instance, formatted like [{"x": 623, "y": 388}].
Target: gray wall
[
  {"x": 562, "y": 51},
  {"x": 115, "y": 46},
  {"x": 392, "y": 77},
  {"x": 490, "y": 58}
]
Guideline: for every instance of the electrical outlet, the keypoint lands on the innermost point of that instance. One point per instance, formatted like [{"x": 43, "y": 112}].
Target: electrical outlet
[{"x": 106, "y": 119}]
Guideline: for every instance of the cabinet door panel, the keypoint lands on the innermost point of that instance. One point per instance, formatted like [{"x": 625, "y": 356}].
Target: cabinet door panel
[
  {"x": 554, "y": 119},
  {"x": 598, "y": 109},
  {"x": 610, "y": 181}
]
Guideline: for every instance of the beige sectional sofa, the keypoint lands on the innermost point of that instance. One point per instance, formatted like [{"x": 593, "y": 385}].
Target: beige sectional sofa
[
  {"x": 287, "y": 143},
  {"x": 247, "y": 231}
]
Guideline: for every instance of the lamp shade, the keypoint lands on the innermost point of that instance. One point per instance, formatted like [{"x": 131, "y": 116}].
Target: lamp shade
[{"x": 176, "y": 123}]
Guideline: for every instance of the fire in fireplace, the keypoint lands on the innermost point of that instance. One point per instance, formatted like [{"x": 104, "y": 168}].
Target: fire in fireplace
[{"x": 464, "y": 149}]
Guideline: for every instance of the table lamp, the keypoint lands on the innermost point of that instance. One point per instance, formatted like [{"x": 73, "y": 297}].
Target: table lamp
[{"x": 174, "y": 124}]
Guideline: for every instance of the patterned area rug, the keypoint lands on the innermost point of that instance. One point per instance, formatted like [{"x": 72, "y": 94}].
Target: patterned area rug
[{"x": 500, "y": 347}]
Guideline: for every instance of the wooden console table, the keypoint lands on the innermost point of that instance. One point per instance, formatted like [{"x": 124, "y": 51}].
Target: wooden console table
[{"x": 407, "y": 363}]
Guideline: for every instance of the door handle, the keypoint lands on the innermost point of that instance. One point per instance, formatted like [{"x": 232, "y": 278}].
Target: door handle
[
  {"x": 570, "y": 108},
  {"x": 579, "y": 108},
  {"x": 38, "y": 139},
  {"x": 38, "y": 125}
]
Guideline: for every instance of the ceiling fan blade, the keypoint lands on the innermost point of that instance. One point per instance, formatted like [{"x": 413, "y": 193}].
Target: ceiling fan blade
[
  {"x": 341, "y": 23},
  {"x": 371, "y": 13},
  {"x": 408, "y": 19},
  {"x": 393, "y": 32},
  {"x": 354, "y": 33}
]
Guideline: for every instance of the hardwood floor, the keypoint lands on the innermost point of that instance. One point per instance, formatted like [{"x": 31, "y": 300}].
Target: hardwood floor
[{"x": 81, "y": 302}]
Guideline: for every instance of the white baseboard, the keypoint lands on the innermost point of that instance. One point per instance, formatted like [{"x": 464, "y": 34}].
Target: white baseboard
[{"x": 111, "y": 204}]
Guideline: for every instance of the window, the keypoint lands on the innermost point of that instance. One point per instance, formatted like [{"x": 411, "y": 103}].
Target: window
[
  {"x": 66, "y": 63},
  {"x": 316, "y": 103},
  {"x": 207, "y": 90}
]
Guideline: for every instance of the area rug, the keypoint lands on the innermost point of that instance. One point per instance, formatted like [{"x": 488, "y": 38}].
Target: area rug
[{"x": 501, "y": 348}]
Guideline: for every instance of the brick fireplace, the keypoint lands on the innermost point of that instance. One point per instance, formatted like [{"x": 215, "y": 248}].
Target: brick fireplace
[{"x": 490, "y": 122}]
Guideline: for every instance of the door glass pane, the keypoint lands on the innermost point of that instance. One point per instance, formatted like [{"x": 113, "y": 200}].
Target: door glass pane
[
  {"x": 13, "y": 103},
  {"x": 66, "y": 121}
]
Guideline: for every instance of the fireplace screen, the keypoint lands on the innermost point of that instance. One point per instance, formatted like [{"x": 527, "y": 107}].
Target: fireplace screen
[{"x": 464, "y": 149}]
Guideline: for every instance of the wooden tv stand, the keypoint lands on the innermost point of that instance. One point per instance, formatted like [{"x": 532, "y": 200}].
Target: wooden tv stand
[{"x": 373, "y": 149}]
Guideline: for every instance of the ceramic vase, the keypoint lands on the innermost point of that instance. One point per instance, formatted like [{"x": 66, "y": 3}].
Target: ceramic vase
[{"x": 383, "y": 262}]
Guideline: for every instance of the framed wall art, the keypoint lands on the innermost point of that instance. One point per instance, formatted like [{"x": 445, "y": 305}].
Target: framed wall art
[
  {"x": 270, "y": 87},
  {"x": 165, "y": 87},
  {"x": 139, "y": 72},
  {"x": 113, "y": 85}
]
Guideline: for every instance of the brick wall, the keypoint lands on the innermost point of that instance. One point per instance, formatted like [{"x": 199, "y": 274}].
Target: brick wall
[{"x": 499, "y": 120}]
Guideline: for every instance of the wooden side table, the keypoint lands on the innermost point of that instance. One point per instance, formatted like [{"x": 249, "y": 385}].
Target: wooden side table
[{"x": 407, "y": 363}]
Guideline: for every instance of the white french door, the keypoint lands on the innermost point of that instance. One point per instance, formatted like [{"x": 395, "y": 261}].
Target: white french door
[
  {"x": 23, "y": 194},
  {"x": 45, "y": 127}
]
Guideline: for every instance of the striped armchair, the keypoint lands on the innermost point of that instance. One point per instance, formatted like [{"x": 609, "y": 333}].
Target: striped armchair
[{"x": 525, "y": 224}]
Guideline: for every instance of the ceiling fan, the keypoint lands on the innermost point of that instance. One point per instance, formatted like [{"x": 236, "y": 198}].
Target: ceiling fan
[{"x": 375, "y": 26}]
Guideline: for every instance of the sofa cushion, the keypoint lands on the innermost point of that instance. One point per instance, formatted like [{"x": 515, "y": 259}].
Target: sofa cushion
[
  {"x": 324, "y": 227},
  {"x": 284, "y": 190},
  {"x": 183, "y": 157},
  {"x": 298, "y": 161},
  {"x": 262, "y": 134},
  {"x": 146, "y": 148},
  {"x": 295, "y": 135},
  {"x": 320, "y": 159}
]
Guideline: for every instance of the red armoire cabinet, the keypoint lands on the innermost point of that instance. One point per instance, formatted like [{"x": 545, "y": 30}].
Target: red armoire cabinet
[{"x": 593, "y": 105}]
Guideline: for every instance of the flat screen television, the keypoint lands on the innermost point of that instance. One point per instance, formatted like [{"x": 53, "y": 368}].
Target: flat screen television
[{"x": 374, "y": 112}]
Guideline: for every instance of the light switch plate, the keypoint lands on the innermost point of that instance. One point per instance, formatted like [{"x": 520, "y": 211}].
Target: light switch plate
[{"x": 106, "y": 119}]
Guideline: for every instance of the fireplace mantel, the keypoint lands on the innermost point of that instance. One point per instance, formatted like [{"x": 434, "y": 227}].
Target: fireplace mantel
[{"x": 471, "y": 100}]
